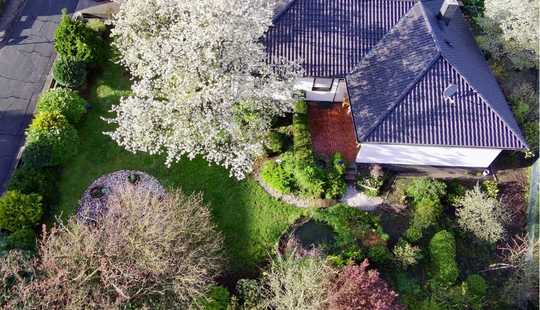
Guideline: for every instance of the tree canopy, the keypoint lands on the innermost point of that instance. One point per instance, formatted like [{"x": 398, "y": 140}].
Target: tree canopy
[{"x": 203, "y": 84}]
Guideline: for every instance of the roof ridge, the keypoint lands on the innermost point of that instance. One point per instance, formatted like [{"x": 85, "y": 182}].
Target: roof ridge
[
  {"x": 282, "y": 10},
  {"x": 415, "y": 81},
  {"x": 409, "y": 88},
  {"x": 428, "y": 23}
]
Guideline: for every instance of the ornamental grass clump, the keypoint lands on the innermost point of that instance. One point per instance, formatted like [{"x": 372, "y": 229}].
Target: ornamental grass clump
[{"x": 146, "y": 252}]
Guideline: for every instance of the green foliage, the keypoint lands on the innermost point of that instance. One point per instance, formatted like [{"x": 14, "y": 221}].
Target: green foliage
[
  {"x": 276, "y": 142},
  {"x": 37, "y": 155},
  {"x": 369, "y": 184},
  {"x": 348, "y": 256},
  {"x": 249, "y": 293},
  {"x": 335, "y": 185},
  {"x": 23, "y": 239},
  {"x": 96, "y": 25},
  {"x": 442, "y": 249},
  {"x": 299, "y": 174},
  {"x": 32, "y": 180},
  {"x": 69, "y": 72},
  {"x": 474, "y": 289},
  {"x": 217, "y": 299},
  {"x": 352, "y": 226},
  {"x": 74, "y": 39},
  {"x": 491, "y": 188},
  {"x": 64, "y": 101},
  {"x": 310, "y": 180},
  {"x": 406, "y": 254},
  {"x": 55, "y": 135},
  {"x": 426, "y": 189},
  {"x": 426, "y": 213},
  {"x": 454, "y": 191},
  {"x": 425, "y": 195},
  {"x": 278, "y": 176},
  {"x": 19, "y": 211},
  {"x": 409, "y": 289},
  {"x": 379, "y": 254},
  {"x": 338, "y": 163}
]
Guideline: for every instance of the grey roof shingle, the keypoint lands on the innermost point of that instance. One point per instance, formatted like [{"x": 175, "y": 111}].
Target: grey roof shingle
[
  {"x": 396, "y": 91},
  {"x": 329, "y": 38}
]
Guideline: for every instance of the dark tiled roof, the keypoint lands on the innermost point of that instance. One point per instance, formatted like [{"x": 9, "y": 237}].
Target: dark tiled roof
[
  {"x": 331, "y": 37},
  {"x": 396, "y": 91},
  {"x": 425, "y": 117}
]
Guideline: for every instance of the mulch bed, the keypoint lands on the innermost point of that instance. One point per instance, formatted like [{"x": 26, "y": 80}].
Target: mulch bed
[{"x": 93, "y": 203}]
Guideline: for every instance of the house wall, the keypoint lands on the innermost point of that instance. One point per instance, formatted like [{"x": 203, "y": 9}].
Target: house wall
[
  {"x": 338, "y": 92},
  {"x": 426, "y": 155}
]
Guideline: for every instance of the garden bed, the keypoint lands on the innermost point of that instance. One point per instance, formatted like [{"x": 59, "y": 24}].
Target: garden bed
[{"x": 300, "y": 202}]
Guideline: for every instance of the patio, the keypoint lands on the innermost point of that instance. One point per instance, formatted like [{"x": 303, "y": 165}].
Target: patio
[{"x": 332, "y": 131}]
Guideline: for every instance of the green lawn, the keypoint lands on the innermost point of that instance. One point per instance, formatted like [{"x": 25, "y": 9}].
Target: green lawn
[{"x": 250, "y": 220}]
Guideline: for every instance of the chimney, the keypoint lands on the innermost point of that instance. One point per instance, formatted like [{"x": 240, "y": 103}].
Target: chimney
[{"x": 448, "y": 9}]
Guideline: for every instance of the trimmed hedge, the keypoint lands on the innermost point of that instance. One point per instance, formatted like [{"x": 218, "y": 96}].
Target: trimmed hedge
[
  {"x": 51, "y": 140},
  {"x": 74, "y": 39},
  {"x": 69, "y": 72},
  {"x": 18, "y": 211},
  {"x": 39, "y": 181},
  {"x": 65, "y": 101},
  {"x": 442, "y": 249}
]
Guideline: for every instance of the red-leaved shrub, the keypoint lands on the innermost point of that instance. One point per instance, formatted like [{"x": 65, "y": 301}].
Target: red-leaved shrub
[{"x": 357, "y": 288}]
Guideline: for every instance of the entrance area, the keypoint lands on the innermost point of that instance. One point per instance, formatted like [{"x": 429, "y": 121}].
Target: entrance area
[{"x": 332, "y": 130}]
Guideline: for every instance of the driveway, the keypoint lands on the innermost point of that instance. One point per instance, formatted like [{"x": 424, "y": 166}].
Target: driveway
[{"x": 25, "y": 60}]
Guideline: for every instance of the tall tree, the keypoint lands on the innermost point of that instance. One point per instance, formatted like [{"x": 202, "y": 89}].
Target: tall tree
[
  {"x": 203, "y": 84},
  {"x": 511, "y": 30}
]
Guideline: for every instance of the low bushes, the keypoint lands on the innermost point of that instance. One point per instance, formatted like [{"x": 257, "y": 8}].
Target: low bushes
[
  {"x": 52, "y": 133},
  {"x": 276, "y": 142},
  {"x": 442, "y": 249},
  {"x": 69, "y": 72},
  {"x": 297, "y": 172},
  {"x": 425, "y": 195},
  {"x": 32, "y": 180},
  {"x": 18, "y": 211},
  {"x": 74, "y": 39},
  {"x": 354, "y": 228},
  {"x": 280, "y": 174},
  {"x": 63, "y": 101}
]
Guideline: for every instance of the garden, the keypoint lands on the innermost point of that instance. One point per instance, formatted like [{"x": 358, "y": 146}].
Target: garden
[{"x": 127, "y": 228}]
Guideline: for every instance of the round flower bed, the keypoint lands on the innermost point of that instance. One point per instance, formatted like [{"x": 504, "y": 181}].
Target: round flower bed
[{"x": 94, "y": 201}]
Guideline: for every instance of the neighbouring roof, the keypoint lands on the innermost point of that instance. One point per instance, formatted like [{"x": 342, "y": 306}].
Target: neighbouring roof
[
  {"x": 330, "y": 38},
  {"x": 396, "y": 91}
]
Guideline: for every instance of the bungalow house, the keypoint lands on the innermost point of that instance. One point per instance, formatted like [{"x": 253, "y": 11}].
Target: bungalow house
[{"x": 417, "y": 89}]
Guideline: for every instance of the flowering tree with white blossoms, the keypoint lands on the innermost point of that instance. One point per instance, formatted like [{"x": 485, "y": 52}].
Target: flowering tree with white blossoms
[{"x": 203, "y": 85}]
